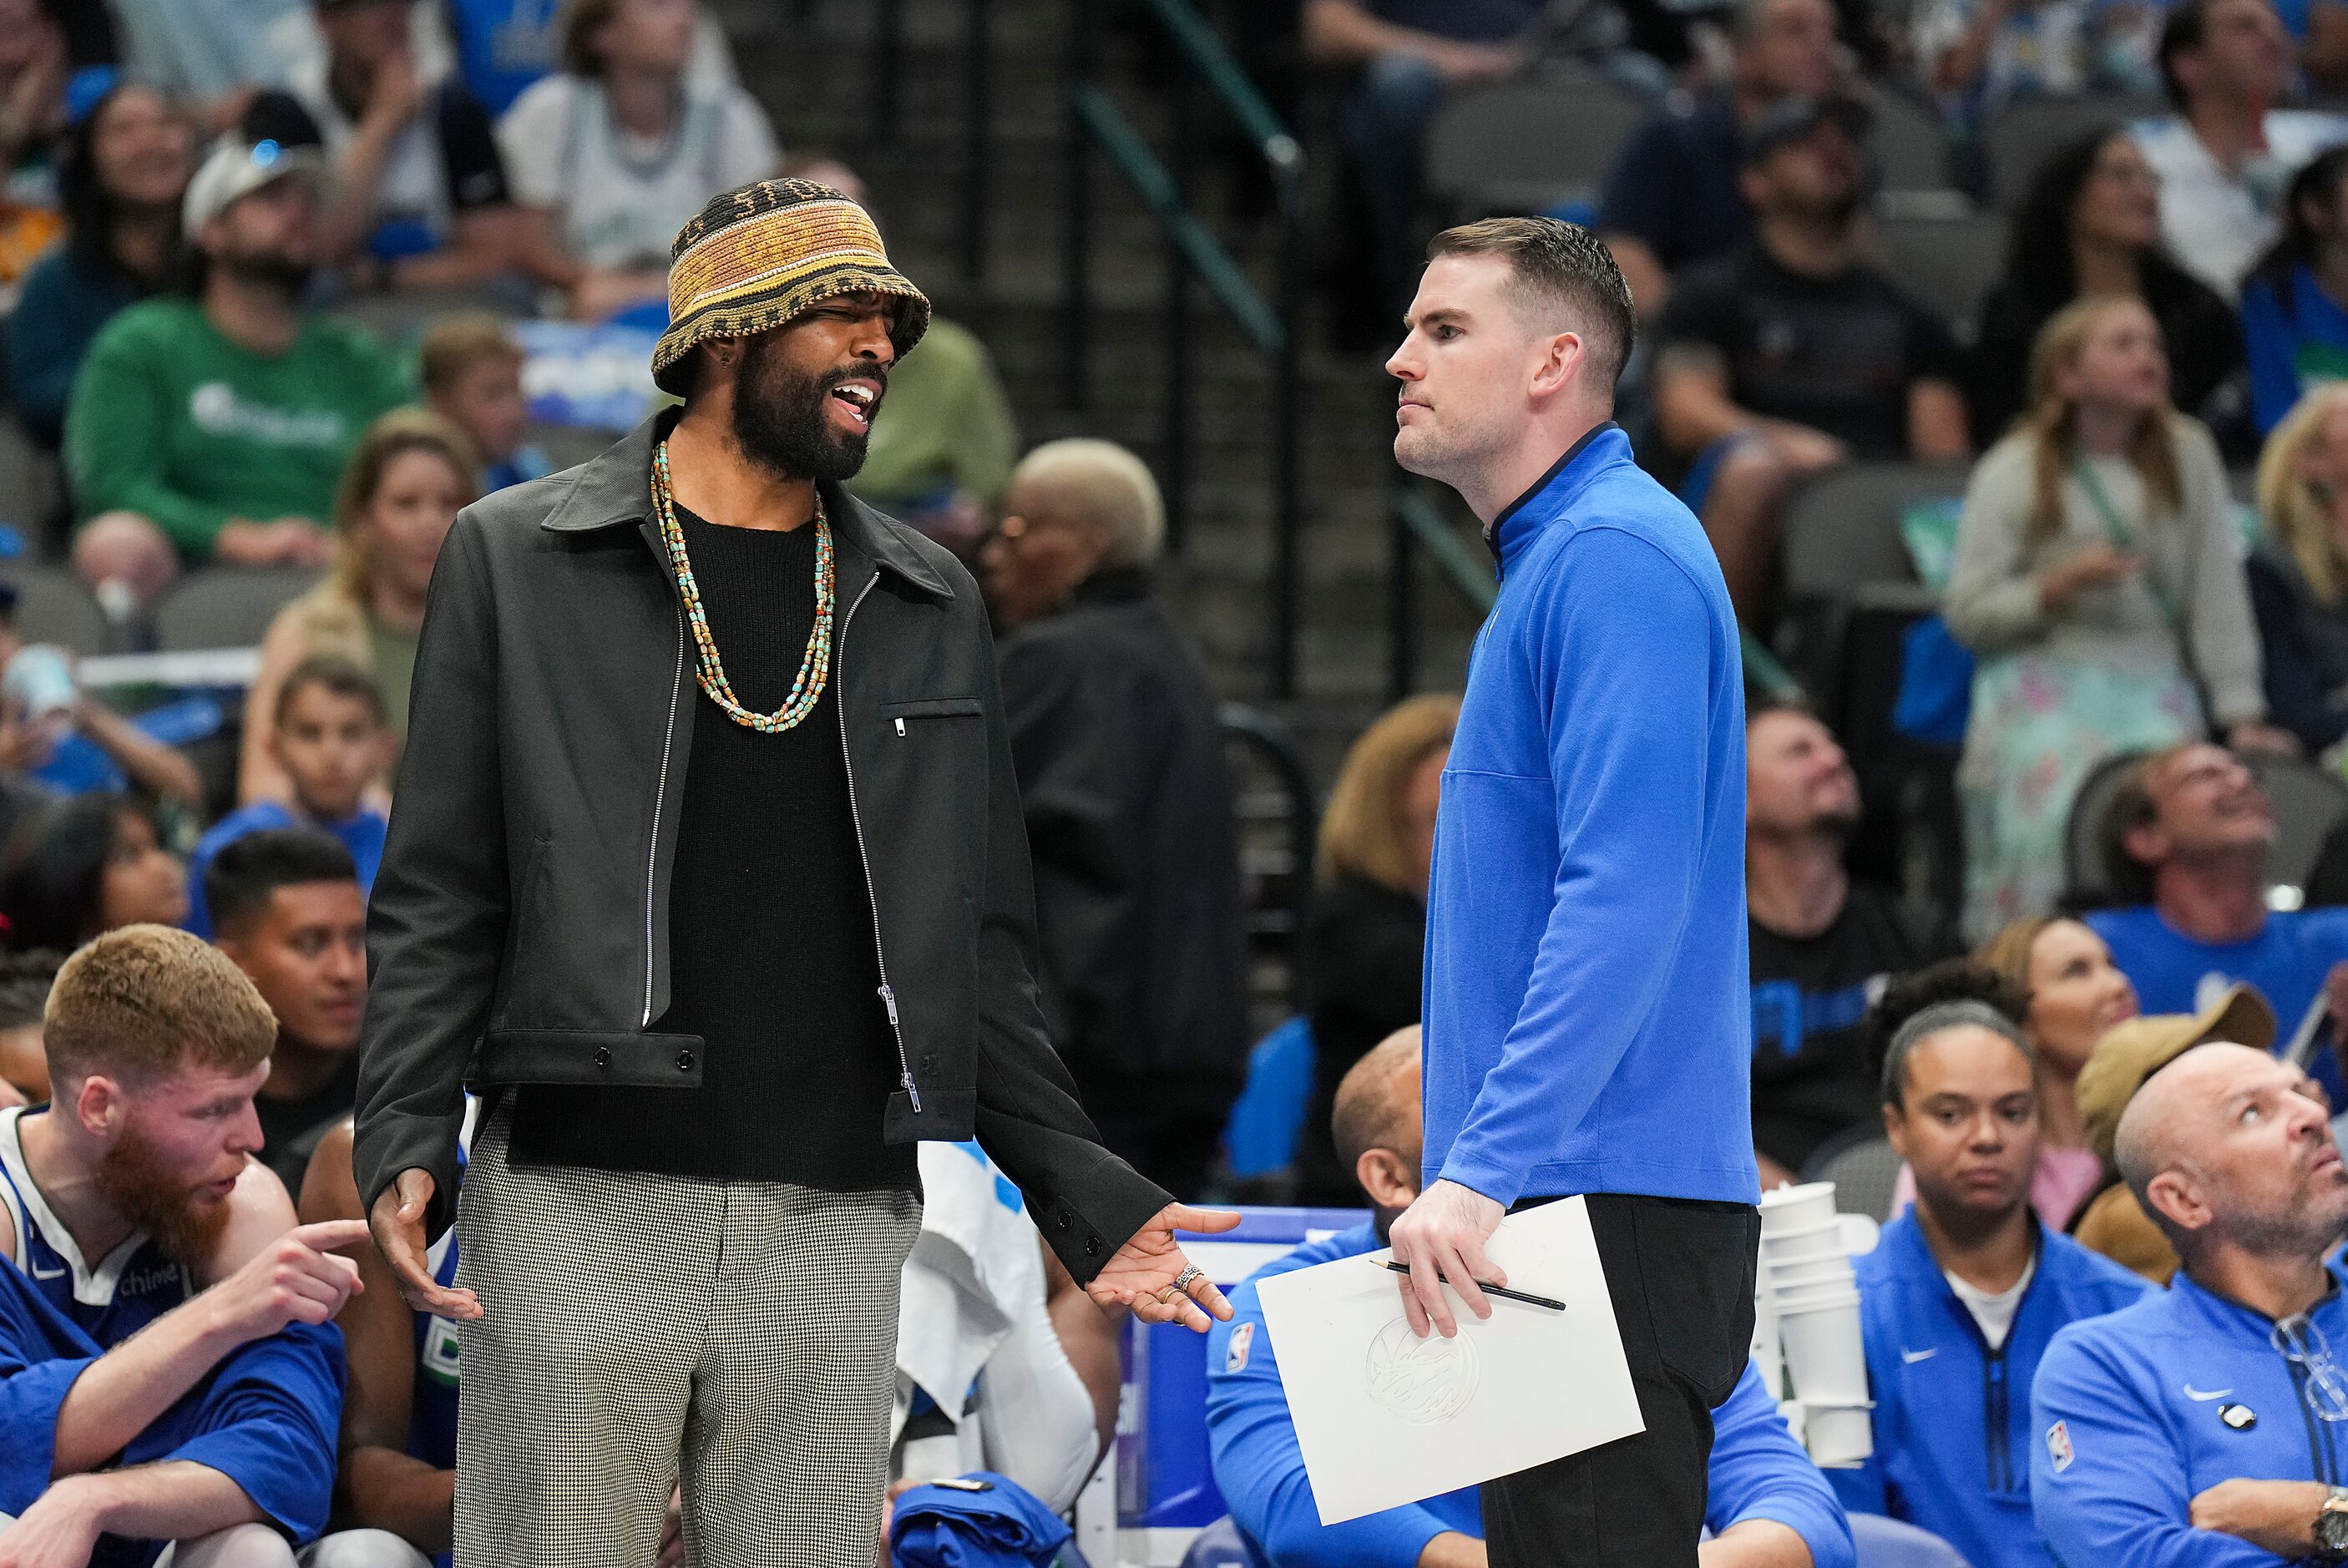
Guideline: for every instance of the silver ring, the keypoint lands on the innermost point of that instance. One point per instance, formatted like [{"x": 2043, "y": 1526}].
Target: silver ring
[{"x": 1182, "y": 1281}]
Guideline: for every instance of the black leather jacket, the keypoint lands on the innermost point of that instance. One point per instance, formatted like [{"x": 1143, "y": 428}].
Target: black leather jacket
[{"x": 518, "y": 929}]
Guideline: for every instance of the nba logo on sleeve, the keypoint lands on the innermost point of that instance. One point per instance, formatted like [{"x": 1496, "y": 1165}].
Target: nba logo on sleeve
[
  {"x": 2058, "y": 1446},
  {"x": 1242, "y": 1341}
]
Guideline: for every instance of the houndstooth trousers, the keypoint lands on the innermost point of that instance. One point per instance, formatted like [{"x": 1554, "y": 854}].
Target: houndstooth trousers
[{"x": 639, "y": 1331}]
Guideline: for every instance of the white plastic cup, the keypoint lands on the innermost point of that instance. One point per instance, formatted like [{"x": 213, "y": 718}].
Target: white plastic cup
[
  {"x": 1860, "y": 1233},
  {"x": 1818, "y": 1276},
  {"x": 1840, "y": 1437},
  {"x": 1823, "y": 1348},
  {"x": 1789, "y": 1208},
  {"x": 1827, "y": 1298},
  {"x": 1817, "y": 1241}
]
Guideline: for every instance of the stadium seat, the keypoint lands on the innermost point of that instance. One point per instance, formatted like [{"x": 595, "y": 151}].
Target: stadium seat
[
  {"x": 1842, "y": 529},
  {"x": 1864, "y": 1174},
  {"x": 1528, "y": 146},
  {"x": 52, "y": 607},
  {"x": 2084, "y": 880},
  {"x": 1220, "y": 1545},
  {"x": 2308, "y": 804},
  {"x": 1893, "y": 1544},
  {"x": 2024, "y": 132},
  {"x": 32, "y": 487},
  {"x": 1948, "y": 262},
  {"x": 1910, "y": 150},
  {"x": 568, "y": 446},
  {"x": 226, "y": 607}
]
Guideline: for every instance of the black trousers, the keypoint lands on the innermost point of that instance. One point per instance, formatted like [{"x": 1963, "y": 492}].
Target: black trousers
[{"x": 1680, "y": 1273}]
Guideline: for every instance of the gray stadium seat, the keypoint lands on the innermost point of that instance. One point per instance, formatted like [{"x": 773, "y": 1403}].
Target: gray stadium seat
[
  {"x": 1525, "y": 146},
  {"x": 226, "y": 607},
  {"x": 1948, "y": 262},
  {"x": 1864, "y": 1175},
  {"x": 2024, "y": 132},
  {"x": 568, "y": 446},
  {"x": 1842, "y": 529},
  {"x": 52, "y": 607},
  {"x": 1910, "y": 148},
  {"x": 32, "y": 491},
  {"x": 2082, "y": 832},
  {"x": 2308, "y": 804}
]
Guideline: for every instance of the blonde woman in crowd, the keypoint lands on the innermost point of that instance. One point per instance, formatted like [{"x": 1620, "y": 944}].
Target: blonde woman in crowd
[
  {"x": 411, "y": 474},
  {"x": 1368, "y": 928},
  {"x": 2299, "y": 574},
  {"x": 2098, "y": 580}
]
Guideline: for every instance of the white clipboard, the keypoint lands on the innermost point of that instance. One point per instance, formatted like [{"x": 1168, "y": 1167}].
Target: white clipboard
[{"x": 1385, "y": 1418}]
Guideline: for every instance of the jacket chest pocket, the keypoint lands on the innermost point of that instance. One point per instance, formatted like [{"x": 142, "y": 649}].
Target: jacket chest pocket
[{"x": 906, "y": 719}]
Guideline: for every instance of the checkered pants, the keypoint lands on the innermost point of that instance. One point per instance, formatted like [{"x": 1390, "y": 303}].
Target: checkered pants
[{"x": 640, "y": 1330}]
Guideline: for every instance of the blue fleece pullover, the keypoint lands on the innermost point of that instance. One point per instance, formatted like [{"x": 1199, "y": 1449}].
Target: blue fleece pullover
[
  {"x": 1953, "y": 1431},
  {"x": 1588, "y": 1028},
  {"x": 1757, "y": 1470},
  {"x": 2137, "y": 1413}
]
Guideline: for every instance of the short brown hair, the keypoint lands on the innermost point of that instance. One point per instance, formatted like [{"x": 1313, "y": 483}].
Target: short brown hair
[
  {"x": 339, "y": 676},
  {"x": 455, "y": 344},
  {"x": 1362, "y": 832},
  {"x": 144, "y": 1001},
  {"x": 580, "y": 21},
  {"x": 1563, "y": 265}
]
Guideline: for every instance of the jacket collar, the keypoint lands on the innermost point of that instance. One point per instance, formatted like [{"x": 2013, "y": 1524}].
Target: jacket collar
[
  {"x": 2225, "y": 1313},
  {"x": 615, "y": 487},
  {"x": 1909, "y": 1257},
  {"x": 1567, "y": 476}
]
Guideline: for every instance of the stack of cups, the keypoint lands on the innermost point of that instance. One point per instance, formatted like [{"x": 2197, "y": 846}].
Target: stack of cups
[{"x": 1813, "y": 1296}]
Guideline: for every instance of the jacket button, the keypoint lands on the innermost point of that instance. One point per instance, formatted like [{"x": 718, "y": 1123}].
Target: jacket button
[
  {"x": 684, "y": 1061},
  {"x": 1064, "y": 1220},
  {"x": 1092, "y": 1246},
  {"x": 603, "y": 1056}
]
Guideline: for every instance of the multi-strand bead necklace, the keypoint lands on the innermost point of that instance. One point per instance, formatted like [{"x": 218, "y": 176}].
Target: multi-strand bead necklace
[{"x": 815, "y": 666}]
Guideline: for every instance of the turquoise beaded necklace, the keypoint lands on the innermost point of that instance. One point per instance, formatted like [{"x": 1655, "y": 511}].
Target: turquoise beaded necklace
[{"x": 814, "y": 666}]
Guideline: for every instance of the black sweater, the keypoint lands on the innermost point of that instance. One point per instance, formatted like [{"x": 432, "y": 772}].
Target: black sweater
[{"x": 771, "y": 957}]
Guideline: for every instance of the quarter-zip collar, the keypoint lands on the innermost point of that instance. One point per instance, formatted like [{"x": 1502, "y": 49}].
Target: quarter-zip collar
[
  {"x": 615, "y": 487},
  {"x": 1604, "y": 443},
  {"x": 2224, "y": 1314}
]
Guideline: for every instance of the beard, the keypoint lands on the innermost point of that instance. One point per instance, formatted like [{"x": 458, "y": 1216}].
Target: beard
[
  {"x": 184, "y": 1221},
  {"x": 780, "y": 421},
  {"x": 269, "y": 270}
]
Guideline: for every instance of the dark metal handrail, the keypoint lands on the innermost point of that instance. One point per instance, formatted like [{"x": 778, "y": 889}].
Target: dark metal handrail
[{"x": 1194, "y": 254}]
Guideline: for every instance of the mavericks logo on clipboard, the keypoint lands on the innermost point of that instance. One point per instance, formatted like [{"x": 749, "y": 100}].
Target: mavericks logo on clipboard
[{"x": 1425, "y": 1381}]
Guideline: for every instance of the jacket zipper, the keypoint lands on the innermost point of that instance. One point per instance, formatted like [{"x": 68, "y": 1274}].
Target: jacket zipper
[
  {"x": 855, "y": 816},
  {"x": 1994, "y": 1417},
  {"x": 660, "y": 798}
]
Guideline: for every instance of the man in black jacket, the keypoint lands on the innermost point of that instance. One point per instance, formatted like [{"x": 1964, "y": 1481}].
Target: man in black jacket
[
  {"x": 1128, "y": 809},
  {"x": 707, "y": 870}
]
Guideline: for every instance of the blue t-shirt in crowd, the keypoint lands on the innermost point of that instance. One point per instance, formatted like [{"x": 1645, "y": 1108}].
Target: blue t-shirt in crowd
[
  {"x": 1757, "y": 1470},
  {"x": 1466, "y": 20},
  {"x": 2287, "y": 960},
  {"x": 504, "y": 46},
  {"x": 1673, "y": 184},
  {"x": 1953, "y": 1431},
  {"x": 1589, "y": 1027},
  {"x": 2136, "y": 1414},
  {"x": 362, "y": 835},
  {"x": 2297, "y": 339}
]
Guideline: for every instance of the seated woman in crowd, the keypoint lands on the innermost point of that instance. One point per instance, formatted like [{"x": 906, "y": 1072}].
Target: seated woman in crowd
[
  {"x": 2295, "y": 304},
  {"x": 2299, "y": 573},
  {"x": 2096, "y": 578},
  {"x": 1367, "y": 932},
  {"x": 614, "y": 153},
  {"x": 126, "y": 166},
  {"x": 2090, "y": 225},
  {"x": 2056, "y": 978},
  {"x": 406, "y": 481},
  {"x": 90, "y": 866}
]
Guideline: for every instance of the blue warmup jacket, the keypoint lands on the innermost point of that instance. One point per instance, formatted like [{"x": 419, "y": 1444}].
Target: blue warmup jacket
[
  {"x": 1953, "y": 1425},
  {"x": 1587, "y": 1023},
  {"x": 267, "y": 1418},
  {"x": 1757, "y": 1472},
  {"x": 2137, "y": 1413}
]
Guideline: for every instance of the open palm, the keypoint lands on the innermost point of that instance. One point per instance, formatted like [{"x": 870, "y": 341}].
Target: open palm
[{"x": 1139, "y": 1274}]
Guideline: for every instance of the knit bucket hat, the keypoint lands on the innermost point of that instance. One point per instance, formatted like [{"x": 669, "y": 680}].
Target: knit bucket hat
[{"x": 757, "y": 257}]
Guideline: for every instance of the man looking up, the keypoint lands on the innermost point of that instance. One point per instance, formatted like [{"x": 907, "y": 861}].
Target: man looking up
[
  {"x": 1587, "y": 1015},
  {"x": 1961, "y": 1294},
  {"x": 1767, "y": 1504},
  {"x": 2201, "y": 1426},
  {"x": 167, "y": 1371},
  {"x": 292, "y": 918},
  {"x": 707, "y": 868}
]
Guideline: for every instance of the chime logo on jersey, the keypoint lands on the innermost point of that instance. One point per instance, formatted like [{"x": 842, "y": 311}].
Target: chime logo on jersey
[
  {"x": 2058, "y": 1446},
  {"x": 1242, "y": 1341}
]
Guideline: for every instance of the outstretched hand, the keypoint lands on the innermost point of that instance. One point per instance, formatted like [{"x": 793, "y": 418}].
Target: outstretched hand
[
  {"x": 397, "y": 1224},
  {"x": 1142, "y": 1272}
]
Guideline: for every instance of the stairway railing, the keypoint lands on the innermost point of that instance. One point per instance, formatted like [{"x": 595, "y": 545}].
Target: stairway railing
[{"x": 1194, "y": 255}]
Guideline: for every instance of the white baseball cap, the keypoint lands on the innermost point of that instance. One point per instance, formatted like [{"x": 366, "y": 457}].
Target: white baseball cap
[{"x": 236, "y": 169}]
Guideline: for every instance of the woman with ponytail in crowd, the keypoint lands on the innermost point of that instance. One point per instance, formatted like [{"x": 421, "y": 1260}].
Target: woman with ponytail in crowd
[{"x": 2098, "y": 580}]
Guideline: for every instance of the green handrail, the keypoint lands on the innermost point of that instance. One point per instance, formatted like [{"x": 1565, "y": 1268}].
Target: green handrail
[
  {"x": 1152, "y": 182},
  {"x": 1763, "y": 669},
  {"x": 1229, "y": 81}
]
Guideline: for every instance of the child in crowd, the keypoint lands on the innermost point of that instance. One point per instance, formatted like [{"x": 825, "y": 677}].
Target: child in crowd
[
  {"x": 332, "y": 738},
  {"x": 472, "y": 379}
]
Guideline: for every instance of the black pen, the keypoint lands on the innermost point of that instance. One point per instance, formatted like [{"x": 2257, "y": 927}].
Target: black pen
[{"x": 1503, "y": 1292}]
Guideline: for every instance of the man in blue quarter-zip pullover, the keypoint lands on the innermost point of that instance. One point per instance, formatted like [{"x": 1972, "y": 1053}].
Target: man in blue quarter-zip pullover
[
  {"x": 2207, "y": 1425},
  {"x": 1587, "y": 1025},
  {"x": 1767, "y": 1506},
  {"x": 1963, "y": 1291}
]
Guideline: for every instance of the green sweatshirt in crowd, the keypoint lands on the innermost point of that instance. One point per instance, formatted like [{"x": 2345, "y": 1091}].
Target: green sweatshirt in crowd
[{"x": 171, "y": 420}]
